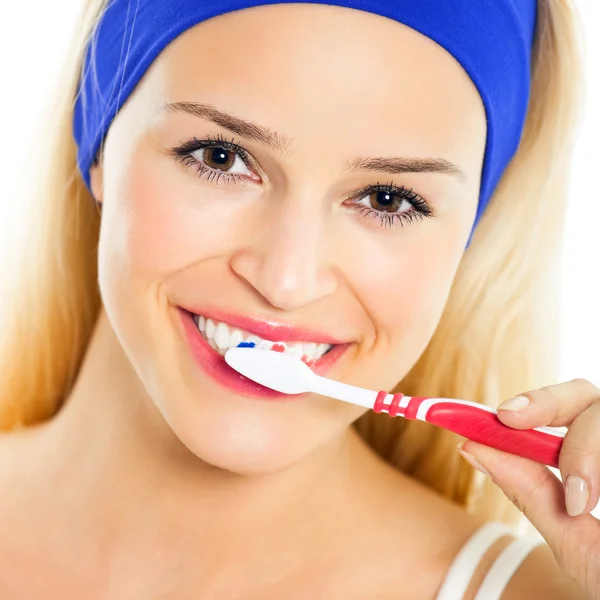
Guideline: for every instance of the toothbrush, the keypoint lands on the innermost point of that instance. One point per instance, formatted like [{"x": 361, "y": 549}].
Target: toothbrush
[{"x": 471, "y": 420}]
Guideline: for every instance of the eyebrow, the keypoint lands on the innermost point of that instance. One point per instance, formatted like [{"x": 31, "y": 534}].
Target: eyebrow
[
  {"x": 282, "y": 143},
  {"x": 395, "y": 166},
  {"x": 241, "y": 127}
]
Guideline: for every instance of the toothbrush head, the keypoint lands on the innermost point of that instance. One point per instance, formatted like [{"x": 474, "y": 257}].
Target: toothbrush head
[{"x": 274, "y": 370}]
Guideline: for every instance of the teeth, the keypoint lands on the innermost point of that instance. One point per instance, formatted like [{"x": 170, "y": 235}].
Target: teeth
[
  {"x": 310, "y": 350},
  {"x": 221, "y": 337},
  {"x": 321, "y": 349},
  {"x": 254, "y": 339},
  {"x": 264, "y": 344},
  {"x": 210, "y": 328},
  {"x": 235, "y": 338},
  {"x": 294, "y": 350}
]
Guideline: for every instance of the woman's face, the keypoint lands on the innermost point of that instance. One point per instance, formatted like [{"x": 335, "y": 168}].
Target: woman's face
[{"x": 304, "y": 173}]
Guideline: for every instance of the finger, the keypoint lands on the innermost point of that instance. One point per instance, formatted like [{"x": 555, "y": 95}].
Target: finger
[
  {"x": 555, "y": 405},
  {"x": 579, "y": 461},
  {"x": 538, "y": 493}
]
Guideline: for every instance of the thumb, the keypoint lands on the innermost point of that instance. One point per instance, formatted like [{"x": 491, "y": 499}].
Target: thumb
[{"x": 539, "y": 495}]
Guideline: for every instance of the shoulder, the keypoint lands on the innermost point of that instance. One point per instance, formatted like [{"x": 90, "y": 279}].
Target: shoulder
[
  {"x": 417, "y": 534},
  {"x": 447, "y": 531},
  {"x": 510, "y": 568},
  {"x": 540, "y": 577}
]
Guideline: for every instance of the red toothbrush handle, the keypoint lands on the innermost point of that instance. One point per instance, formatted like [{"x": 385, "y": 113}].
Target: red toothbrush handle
[{"x": 481, "y": 425}]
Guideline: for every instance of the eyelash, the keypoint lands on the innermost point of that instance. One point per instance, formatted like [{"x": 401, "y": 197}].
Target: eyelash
[
  {"x": 421, "y": 208},
  {"x": 183, "y": 154}
]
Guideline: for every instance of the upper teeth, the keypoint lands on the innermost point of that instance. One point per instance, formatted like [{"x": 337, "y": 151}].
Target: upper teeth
[{"x": 222, "y": 337}]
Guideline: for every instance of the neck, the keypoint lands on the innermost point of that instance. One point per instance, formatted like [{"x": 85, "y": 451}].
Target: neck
[{"x": 148, "y": 497}]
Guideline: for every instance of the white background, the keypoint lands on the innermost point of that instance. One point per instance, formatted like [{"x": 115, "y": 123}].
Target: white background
[{"x": 34, "y": 36}]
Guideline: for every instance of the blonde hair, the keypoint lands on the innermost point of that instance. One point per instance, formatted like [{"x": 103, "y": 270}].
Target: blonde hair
[{"x": 498, "y": 333}]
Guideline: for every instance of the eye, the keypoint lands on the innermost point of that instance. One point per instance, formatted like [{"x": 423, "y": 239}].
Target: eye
[
  {"x": 217, "y": 159},
  {"x": 391, "y": 204},
  {"x": 386, "y": 201},
  {"x": 222, "y": 159}
]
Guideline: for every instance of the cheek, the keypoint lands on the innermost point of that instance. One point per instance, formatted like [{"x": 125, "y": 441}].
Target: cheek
[
  {"x": 404, "y": 293},
  {"x": 147, "y": 235},
  {"x": 160, "y": 221},
  {"x": 411, "y": 293}
]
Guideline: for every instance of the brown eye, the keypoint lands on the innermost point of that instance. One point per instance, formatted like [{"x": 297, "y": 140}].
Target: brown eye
[
  {"x": 385, "y": 201},
  {"x": 391, "y": 203},
  {"x": 222, "y": 160},
  {"x": 219, "y": 159}
]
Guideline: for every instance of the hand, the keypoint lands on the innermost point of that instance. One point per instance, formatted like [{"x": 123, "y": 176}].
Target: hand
[{"x": 559, "y": 511}]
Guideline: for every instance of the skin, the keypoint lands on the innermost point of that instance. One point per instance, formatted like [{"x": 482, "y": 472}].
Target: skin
[
  {"x": 572, "y": 534},
  {"x": 287, "y": 248},
  {"x": 164, "y": 484}
]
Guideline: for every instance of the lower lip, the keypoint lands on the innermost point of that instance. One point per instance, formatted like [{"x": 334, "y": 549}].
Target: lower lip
[{"x": 214, "y": 364}]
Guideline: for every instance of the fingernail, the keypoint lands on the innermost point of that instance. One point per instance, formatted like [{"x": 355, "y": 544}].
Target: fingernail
[
  {"x": 472, "y": 460},
  {"x": 515, "y": 404},
  {"x": 577, "y": 495}
]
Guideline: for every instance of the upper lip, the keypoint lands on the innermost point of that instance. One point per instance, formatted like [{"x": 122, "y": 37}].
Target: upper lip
[{"x": 266, "y": 328}]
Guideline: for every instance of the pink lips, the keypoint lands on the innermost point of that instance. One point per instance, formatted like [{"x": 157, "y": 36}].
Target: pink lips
[
  {"x": 214, "y": 364},
  {"x": 265, "y": 329}
]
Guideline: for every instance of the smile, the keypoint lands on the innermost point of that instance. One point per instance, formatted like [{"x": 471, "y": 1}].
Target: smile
[
  {"x": 211, "y": 334},
  {"x": 222, "y": 336}
]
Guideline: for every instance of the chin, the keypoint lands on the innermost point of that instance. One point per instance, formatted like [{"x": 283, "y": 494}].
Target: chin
[
  {"x": 240, "y": 437},
  {"x": 223, "y": 420}
]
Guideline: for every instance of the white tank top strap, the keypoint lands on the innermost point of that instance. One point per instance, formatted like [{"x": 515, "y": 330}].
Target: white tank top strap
[
  {"x": 504, "y": 567},
  {"x": 466, "y": 561}
]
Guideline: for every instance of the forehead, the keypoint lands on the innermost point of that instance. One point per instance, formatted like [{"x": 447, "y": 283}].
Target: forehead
[{"x": 308, "y": 69}]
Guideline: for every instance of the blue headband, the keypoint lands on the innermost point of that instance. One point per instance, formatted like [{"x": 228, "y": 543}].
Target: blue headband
[{"x": 491, "y": 39}]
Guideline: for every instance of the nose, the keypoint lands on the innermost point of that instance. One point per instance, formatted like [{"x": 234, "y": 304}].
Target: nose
[{"x": 285, "y": 258}]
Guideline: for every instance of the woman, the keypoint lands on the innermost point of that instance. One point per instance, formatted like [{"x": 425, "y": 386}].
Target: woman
[{"x": 306, "y": 174}]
